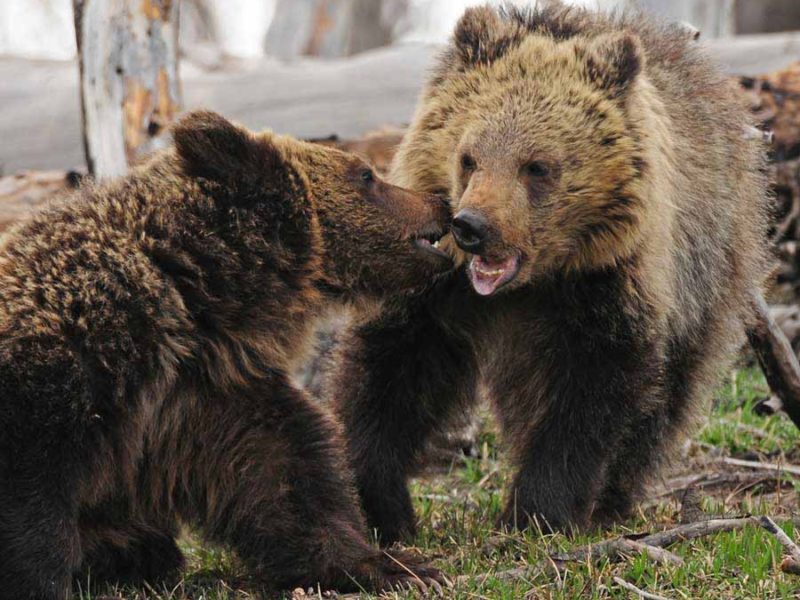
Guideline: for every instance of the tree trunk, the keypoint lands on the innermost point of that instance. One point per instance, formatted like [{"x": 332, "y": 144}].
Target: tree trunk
[{"x": 130, "y": 92}]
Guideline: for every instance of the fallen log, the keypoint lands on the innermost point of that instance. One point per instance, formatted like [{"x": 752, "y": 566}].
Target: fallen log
[{"x": 776, "y": 357}]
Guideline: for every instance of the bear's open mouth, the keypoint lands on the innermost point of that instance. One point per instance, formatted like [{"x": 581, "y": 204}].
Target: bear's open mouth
[
  {"x": 428, "y": 241},
  {"x": 487, "y": 276}
]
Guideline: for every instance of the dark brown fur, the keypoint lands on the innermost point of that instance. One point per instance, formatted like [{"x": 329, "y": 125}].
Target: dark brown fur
[
  {"x": 147, "y": 327},
  {"x": 609, "y": 156}
]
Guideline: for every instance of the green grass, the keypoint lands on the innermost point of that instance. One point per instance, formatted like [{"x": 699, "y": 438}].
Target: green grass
[
  {"x": 457, "y": 507},
  {"x": 732, "y": 421}
]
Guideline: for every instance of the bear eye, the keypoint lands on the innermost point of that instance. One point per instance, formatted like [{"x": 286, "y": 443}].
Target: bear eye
[
  {"x": 537, "y": 169},
  {"x": 467, "y": 162},
  {"x": 367, "y": 176}
]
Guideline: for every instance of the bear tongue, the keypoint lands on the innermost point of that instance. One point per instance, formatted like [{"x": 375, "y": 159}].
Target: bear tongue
[{"x": 487, "y": 276}]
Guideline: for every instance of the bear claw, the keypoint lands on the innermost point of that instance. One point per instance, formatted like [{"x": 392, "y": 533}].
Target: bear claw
[{"x": 401, "y": 569}]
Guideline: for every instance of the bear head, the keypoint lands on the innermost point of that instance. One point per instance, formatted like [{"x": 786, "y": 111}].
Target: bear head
[
  {"x": 536, "y": 140},
  {"x": 321, "y": 206}
]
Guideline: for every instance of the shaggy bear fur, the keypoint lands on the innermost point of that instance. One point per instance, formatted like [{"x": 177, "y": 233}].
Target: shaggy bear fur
[
  {"x": 614, "y": 215},
  {"x": 147, "y": 327}
]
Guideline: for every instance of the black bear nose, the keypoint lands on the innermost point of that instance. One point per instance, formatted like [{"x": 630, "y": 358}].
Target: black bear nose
[{"x": 470, "y": 230}]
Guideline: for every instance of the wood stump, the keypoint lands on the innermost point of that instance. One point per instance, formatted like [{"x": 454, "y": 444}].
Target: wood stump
[{"x": 130, "y": 91}]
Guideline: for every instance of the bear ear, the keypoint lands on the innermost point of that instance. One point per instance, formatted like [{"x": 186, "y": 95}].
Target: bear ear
[
  {"x": 212, "y": 147},
  {"x": 482, "y": 36},
  {"x": 614, "y": 61}
]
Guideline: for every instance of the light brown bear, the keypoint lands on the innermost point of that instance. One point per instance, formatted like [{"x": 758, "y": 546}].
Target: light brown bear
[
  {"x": 609, "y": 223},
  {"x": 147, "y": 329}
]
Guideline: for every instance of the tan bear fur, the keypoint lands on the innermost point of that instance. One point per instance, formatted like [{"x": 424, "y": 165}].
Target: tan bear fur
[{"x": 606, "y": 153}]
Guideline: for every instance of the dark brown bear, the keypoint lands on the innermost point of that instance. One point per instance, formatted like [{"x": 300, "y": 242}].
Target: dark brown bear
[
  {"x": 609, "y": 227},
  {"x": 147, "y": 327}
]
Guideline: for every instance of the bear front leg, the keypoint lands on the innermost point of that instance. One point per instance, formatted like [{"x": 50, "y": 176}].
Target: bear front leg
[
  {"x": 121, "y": 548},
  {"x": 270, "y": 479},
  {"x": 567, "y": 409},
  {"x": 565, "y": 457},
  {"x": 39, "y": 544},
  {"x": 640, "y": 454},
  {"x": 559, "y": 475},
  {"x": 133, "y": 558},
  {"x": 563, "y": 462},
  {"x": 399, "y": 379}
]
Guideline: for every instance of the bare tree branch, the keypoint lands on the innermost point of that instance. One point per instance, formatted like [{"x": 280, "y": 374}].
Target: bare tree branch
[
  {"x": 763, "y": 466},
  {"x": 776, "y": 357},
  {"x": 791, "y": 563}
]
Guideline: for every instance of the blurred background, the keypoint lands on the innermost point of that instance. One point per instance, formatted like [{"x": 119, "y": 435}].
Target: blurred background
[
  {"x": 306, "y": 67},
  {"x": 212, "y": 29}
]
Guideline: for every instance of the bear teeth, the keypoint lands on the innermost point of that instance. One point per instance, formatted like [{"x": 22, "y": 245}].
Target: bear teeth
[{"x": 436, "y": 244}]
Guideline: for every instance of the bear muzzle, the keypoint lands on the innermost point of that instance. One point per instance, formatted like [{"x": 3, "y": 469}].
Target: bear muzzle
[
  {"x": 473, "y": 234},
  {"x": 470, "y": 230}
]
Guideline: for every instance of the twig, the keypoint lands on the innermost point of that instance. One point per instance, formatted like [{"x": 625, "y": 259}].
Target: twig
[
  {"x": 791, "y": 563},
  {"x": 678, "y": 485},
  {"x": 703, "y": 445},
  {"x": 460, "y": 499},
  {"x": 641, "y": 593},
  {"x": 485, "y": 479},
  {"x": 617, "y": 548},
  {"x": 758, "y": 481},
  {"x": 655, "y": 553},
  {"x": 790, "y": 566},
  {"x": 691, "y": 531},
  {"x": 504, "y": 575},
  {"x": 745, "y": 428},
  {"x": 787, "y": 542},
  {"x": 739, "y": 480},
  {"x": 764, "y": 466}
]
